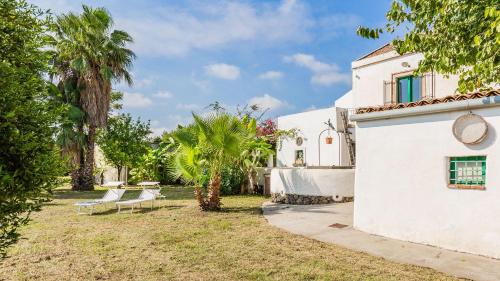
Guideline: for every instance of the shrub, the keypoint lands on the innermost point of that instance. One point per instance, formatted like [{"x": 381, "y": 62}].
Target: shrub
[{"x": 29, "y": 164}]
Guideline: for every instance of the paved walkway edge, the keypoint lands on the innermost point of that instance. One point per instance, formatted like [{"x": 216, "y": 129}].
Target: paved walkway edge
[{"x": 313, "y": 221}]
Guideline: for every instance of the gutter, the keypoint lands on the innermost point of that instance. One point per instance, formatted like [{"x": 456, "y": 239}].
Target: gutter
[{"x": 428, "y": 109}]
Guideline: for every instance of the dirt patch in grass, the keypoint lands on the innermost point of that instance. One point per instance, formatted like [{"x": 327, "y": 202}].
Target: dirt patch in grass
[{"x": 178, "y": 242}]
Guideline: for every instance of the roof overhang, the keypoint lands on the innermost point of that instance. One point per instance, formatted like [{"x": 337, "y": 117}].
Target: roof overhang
[{"x": 428, "y": 109}]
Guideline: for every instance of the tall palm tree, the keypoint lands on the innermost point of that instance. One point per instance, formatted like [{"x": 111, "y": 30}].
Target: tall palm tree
[
  {"x": 70, "y": 136},
  {"x": 90, "y": 49},
  {"x": 204, "y": 148}
]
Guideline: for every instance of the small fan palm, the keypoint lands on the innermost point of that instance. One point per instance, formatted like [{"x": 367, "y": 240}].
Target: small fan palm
[{"x": 204, "y": 148}]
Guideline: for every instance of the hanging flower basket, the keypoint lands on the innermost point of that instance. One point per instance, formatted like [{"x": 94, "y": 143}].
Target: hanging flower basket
[{"x": 329, "y": 140}]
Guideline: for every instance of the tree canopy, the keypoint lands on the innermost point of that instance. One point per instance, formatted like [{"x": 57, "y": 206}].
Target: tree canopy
[
  {"x": 124, "y": 141},
  {"x": 29, "y": 164},
  {"x": 455, "y": 37}
]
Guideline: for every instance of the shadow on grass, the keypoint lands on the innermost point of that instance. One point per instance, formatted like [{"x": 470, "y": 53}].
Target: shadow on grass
[
  {"x": 242, "y": 210},
  {"x": 171, "y": 193},
  {"x": 137, "y": 210}
]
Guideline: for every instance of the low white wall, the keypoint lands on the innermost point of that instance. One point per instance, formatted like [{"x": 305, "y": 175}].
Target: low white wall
[
  {"x": 338, "y": 183},
  {"x": 401, "y": 186}
]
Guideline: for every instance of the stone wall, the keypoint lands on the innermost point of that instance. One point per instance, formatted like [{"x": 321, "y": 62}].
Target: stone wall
[{"x": 298, "y": 199}]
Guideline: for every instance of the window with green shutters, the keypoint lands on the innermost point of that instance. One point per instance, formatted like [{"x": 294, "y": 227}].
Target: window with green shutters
[
  {"x": 468, "y": 172},
  {"x": 409, "y": 89}
]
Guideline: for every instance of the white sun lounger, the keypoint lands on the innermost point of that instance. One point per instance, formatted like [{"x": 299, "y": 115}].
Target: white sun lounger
[
  {"x": 111, "y": 196},
  {"x": 116, "y": 184},
  {"x": 149, "y": 183},
  {"x": 146, "y": 196}
]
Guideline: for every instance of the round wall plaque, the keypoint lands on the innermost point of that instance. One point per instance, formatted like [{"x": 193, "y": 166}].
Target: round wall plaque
[
  {"x": 470, "y": 129},
  {"x": 299, "y": 141}
]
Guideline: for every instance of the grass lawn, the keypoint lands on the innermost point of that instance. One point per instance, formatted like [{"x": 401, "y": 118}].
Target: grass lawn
[{"x": 178, "y": 242}]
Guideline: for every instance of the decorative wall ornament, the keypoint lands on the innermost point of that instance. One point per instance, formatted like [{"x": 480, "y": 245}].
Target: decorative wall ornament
[
  {"x": 299, "y": 141},
  {"x": 470, "y": 128}
]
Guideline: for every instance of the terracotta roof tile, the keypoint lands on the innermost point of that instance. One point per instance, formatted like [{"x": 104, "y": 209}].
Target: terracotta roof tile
[
  {"x": 428, "y": 101},
  {"x": 382, "y": 50}
]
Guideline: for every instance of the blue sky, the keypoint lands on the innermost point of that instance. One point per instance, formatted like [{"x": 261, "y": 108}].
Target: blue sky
[{"x": 288, "y": 56}]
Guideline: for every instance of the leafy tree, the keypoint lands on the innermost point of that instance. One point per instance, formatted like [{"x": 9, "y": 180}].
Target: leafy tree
[
  {"x": 455, "y": 37},
  {"x": 89, "y": 50},
  {"x": 254, "y": 153},
  {"x": 29, "y": 164},
  {"x": 251, "y": 158},
  {"x": 154, "y": 165},
  {"x": 269, "y": 131},
  {"x": 124, "y": 141},
  {"x": 205, "y": 147}
]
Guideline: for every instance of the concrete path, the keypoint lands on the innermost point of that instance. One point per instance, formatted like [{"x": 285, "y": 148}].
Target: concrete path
[{"x": 315, "y": 221}]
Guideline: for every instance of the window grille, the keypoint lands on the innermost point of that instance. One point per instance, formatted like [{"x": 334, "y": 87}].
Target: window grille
[{"x": 468, "y": 172}]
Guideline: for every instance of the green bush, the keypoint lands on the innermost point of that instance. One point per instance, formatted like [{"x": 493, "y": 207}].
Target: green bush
[
  {"x": 232, "y": 178},
  {"x": 154, "y": 166},
  {"x": 29, "y": 163}
]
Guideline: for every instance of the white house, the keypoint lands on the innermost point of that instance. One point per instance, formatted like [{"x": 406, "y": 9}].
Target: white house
[
  {"x": 312, "y": 146},
  {"x": 316, "y": 166},
  {"x": 427, "y": 161}
]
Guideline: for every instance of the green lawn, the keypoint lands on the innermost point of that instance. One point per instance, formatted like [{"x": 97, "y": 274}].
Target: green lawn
[{"x": 178, "y": 242}]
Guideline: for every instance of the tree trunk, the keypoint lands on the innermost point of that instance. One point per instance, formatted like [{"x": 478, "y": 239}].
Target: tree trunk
[
  {"x": 214, "y": 193},
  {"x": 88, "y": 169},
  {"x": 200, "y": 198},
  {"x": 251, "y": 185},
  {"x": 77, "y": 173},
  {"x": 244, "y": 185},
  {"x": 119, "y": 169},
  {"x": 76, "y": 179}
]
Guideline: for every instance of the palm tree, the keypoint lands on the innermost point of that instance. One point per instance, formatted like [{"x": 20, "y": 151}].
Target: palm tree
[
  {"x": 204, "y": 148},
  {"x": 96, "y": 55},
  {"x": 70, "y": 136}
]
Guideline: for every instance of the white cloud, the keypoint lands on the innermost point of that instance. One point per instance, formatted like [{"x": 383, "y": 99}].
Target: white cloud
[
  {"x": 324, "y": 74},
  {"x": 177, "y": 31},
  {"x": 158, "y": 131},
  {"x": 188, "y": 106},
  {"x": 156, "y": 128},
  {"x": 163, "y": 95},
  {"x": 174, "y": 120},
  {"x": 223, "y": 71},
  {"x": 267, "y": 102},
  {"x": 136, "y": 100},
  {"x": 141, "y": 83},
  {"x": 310, "y": 62},
  {"x": 330, "y": 78},
  {"x": 271, "y": 75}
]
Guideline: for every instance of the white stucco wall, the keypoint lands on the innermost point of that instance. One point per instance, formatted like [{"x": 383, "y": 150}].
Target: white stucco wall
[
  {"x": 338, "y": 183},
  {"x": 401, "y": 183},
  {"x": 345, "y": 101},
  {"x": 310, "y": 124},
  {"x": 110, "y": 173},
  {"x": 369, "y": 76}
]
